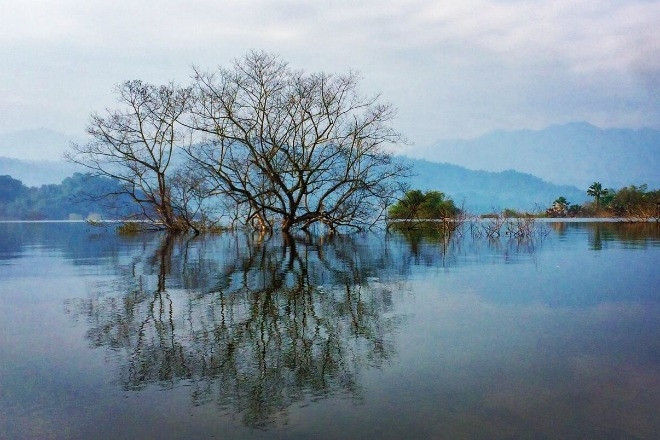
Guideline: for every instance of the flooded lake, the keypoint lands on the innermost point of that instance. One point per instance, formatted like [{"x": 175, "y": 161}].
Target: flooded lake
[{"x": 384, "y": 336}]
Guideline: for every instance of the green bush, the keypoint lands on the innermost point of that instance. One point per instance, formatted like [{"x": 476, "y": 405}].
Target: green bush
[
  {"x": 129, "y": 228},
  {"x": 430, "y": 205}
]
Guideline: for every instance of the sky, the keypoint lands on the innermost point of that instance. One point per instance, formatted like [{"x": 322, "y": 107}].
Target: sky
[{"x": 452, "y": 69}]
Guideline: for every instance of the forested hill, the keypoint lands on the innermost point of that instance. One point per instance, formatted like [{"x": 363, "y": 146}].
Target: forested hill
[
  {"x": 484, "y": 191},
  {"x": 75, "y": 198}
]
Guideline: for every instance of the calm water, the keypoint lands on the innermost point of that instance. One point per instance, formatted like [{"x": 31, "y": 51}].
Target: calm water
[{"x": 368, "y": 336}]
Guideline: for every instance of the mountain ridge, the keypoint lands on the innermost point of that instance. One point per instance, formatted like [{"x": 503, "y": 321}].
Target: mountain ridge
[
  {"x": 34, "y": 173},
  {"x": 576, "y": 153},
  {"x": 478, "y": 191},
  {"x": 484, "y": 191},
  {"x": 35, "y": 144},
  {"x": 518, "y": 169}
]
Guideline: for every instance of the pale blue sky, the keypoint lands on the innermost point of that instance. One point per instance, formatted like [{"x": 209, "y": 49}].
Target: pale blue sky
[{"x": 453, "y": 69}]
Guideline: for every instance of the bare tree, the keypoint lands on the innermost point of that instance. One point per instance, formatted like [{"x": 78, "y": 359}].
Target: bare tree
[
  {"x": 292, "y": 149},
  {"x": 136, "y": 145}
]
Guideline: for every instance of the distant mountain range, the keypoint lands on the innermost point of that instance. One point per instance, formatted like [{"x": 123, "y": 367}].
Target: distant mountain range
[
  {"x": 558, "y": 161},
  {"x": 479, "y": 191},
  {"x": 37, "y": 172},
  {"x": 571, "y": 154},
  {"x": 486, "y": 191},
  {"x": 75, "y": 198},
  {"x": 35, "y": 157},
  {"x": 35, "y": 144}
]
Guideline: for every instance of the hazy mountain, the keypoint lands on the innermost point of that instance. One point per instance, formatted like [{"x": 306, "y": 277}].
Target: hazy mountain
[
  {"x": 37, "y": 172},
  {"x": 483, "y": 191},
  {"x": 574, "y": 154},
  {"x": 480, "y": 191},
  {"x": 35, "y": 144}
]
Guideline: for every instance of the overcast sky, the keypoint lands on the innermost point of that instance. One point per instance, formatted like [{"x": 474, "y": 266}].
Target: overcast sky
[{"x": 452, "y": 68}]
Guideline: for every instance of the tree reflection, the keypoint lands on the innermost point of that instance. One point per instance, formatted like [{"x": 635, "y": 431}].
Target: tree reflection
[
  {"x": 433, "y": 249},
  {"x": 253, "y": 325},
  {"x": 634, "y": 235},
  {"x": 630, "y": 234}
]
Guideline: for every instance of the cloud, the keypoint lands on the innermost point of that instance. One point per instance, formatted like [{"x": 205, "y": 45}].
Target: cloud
[
  {"x": 452, "y": 68},
  {"x": 591, "y": 34}
]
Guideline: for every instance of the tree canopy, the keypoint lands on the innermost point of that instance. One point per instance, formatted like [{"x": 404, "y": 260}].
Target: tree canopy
[
  {"x": 636, "y": 201},
  {"x": 137, "y": 144},
  {"x": 631, "y": 202},
  {"x": 280, "y": 147},
  {"x": 597, "y": 191},
  {"x": 293, "y": 149}
]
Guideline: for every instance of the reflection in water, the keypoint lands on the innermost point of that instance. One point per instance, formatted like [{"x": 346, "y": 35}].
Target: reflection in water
[
  {"x": 560, "y": 228},
  {"x": 432, "y": 248},
  {"x": 253, "y": 326},
  {"x": 543, "y": 338},
  {"x": 633, "y": 235},
  {"x": 637, "y": 235}
]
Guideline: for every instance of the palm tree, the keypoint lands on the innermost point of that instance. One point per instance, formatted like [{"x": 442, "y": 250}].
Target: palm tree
[
  {"x": 597, "y": 192},
  {"x": 561, "y": 206}
]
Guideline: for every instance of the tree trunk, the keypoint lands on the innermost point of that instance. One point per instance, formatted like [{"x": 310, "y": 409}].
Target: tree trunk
[{"x": 287, "y": 223}]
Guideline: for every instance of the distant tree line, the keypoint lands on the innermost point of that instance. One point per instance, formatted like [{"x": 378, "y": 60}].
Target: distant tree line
[
  {"x": 78, "y": 197},
  {"x": 633, "y": 202},
  {"x": 258, "y": 144}
]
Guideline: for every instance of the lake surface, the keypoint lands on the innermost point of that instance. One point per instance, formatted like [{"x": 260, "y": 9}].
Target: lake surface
[{"x": 386, "y": 336}]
